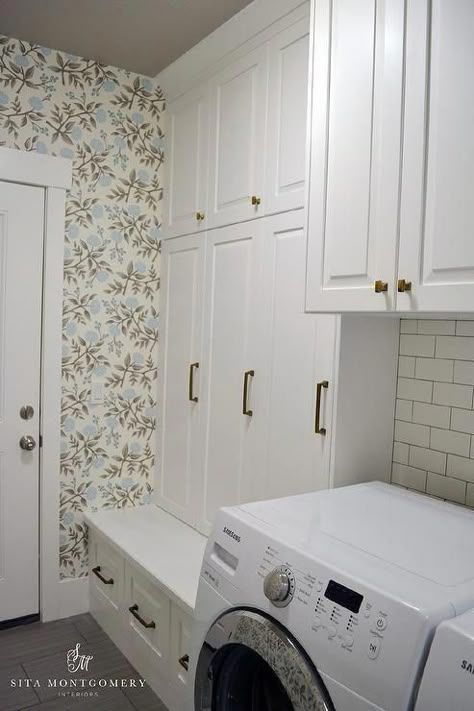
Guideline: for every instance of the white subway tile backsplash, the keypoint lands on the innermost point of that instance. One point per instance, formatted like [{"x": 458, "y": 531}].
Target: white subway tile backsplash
[
  {"x": 434, "y": 369},
  {"x": 408, "y": 325},
  {"x": 404, "y": 410},
  {"x": 450, "y": 442},
  {"x": 412, "y": 434},
  {"x": 446, "y": 488},
  {"x": 400, "y": 452},
  {"x": 452, "y": 394},
  {"x": 433, "y": 415},
  {"x": 406, "y": 366},
  {"x": 412, "y": 389},
  {"x": 417, "y": 345},
  {"x": 464, "y": 328},
  {"x": 409, "y": 476},
  {"x": 462, "y": 420},
  {"x": 456, "y": 347},
  {"x": 427, "y": 459},
  {"x": 460, "y": 468},
  {"x": 436, "y": 327},
  {"x": 464, "y": 372}
]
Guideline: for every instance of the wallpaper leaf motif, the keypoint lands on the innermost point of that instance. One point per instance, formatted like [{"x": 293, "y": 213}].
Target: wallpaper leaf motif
[{"x": 107, "y": 121}]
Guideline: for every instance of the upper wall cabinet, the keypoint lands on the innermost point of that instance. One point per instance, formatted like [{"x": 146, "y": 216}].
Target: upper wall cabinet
[
  {"x": 357, "y": 66},
  {"x": 437, "y": 206},
  {"x": 187, "y": 152},
  {"x": 236, "y": 156},
  {"x": 285, "y": 163}
]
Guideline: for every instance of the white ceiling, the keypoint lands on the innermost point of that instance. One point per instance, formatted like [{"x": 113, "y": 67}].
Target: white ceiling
[{"x": 141, "y": 35}]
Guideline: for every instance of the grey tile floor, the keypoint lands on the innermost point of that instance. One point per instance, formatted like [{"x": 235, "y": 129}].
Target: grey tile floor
[{"x": 38, "y": 652}]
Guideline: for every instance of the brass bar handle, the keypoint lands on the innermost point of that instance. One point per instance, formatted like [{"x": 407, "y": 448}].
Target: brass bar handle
[
  {"x": 200, "y": 216},
  {"x": 192, "y": 397},
  {"x": 403, "y": 286},
  {"x": 317, "y": 416},
  {"x": 149, "y": 625},
  {"x": 245, "y": 408},
  {"x": 380, "y": 287},
  {"x": 184, "y": 661},
  {"x": 106, "y": 581},
  {"x": 255, "y": 200}
]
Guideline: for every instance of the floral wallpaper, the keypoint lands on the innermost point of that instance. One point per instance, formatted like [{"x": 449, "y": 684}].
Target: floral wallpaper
[{"x": 107, "y": 121}]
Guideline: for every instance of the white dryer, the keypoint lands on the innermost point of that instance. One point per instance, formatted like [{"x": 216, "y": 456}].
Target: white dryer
[{"x": 327, "y": 601}]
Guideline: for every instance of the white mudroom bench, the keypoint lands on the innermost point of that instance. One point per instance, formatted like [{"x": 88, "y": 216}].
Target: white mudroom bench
[{"x": 144, "y": 567}]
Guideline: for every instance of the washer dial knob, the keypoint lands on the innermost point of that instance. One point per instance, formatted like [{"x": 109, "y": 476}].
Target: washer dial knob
[{"x": 279, "y": 586}]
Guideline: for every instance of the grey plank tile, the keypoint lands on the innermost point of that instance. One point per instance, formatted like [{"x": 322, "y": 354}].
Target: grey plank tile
[
  {"x": 105, "y": 702},
  {"x": 88, "y": 627},
  {"x": 144, "y": 699},
  {"x": 15, "y": 697},
  {"x": 21, "y": 644}
]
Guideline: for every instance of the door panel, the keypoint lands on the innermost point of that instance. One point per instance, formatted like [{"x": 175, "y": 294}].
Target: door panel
[
  {"x": 355, "y": 152},
  {"x": 232, "y": 324},
  {"x": 236, "y": 157},
  {"x": 296, "y": 458},
  {"x": 186, "y": 194},
  {"x": 179, "y": 470},
  {"x": 437, "y": 210},
  {"x": 21, "y": 256},
  {"x": 287, "y": 116}
]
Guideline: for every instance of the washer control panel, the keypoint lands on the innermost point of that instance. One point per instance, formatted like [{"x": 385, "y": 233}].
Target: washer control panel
[{"x": 279, "y": 586}]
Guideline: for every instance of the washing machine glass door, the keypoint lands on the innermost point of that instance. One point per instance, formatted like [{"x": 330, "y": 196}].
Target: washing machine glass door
[{"x": 249, "y": 662}]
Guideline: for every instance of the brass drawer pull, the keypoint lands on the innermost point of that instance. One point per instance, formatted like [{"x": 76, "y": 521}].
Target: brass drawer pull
[
  {"x": 317, "y": 428},
  {"x": 403, "y": 286},
  {"x": 200, "y": 216},
  {"x": 184, "y": 661},
  {"x": 191, "y": 395},
  {"x": 149, "y": 625},
  {"x": 245, "y": 408},
  {"x": 380, "y": 287},
  {"x": 255, "y": 200},
  {"x": 106, "y": 581}
]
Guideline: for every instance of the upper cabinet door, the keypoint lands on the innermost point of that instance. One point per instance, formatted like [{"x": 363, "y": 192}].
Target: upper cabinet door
[
  {"x": 357, "y": 62},
  {"x": 287, "y": 117},
  {"x": 187, "y": 159},
  {"x": 437, "y": 207},
  {"x": 178, "y": 471},
  {"x": 237, "y": 150}
]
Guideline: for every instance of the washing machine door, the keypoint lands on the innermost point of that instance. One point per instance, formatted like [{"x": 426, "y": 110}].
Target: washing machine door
[{"x": 249, "y": 662}]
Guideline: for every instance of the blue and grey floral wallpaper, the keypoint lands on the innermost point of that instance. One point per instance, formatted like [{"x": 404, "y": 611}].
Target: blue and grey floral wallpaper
[{"x": 107, "y": 121}]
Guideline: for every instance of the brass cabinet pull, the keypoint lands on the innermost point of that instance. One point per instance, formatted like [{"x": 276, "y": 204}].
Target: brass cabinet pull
[
  {"x": 403, "y": 286},
  {"x": 191, "y": 395},
  {"x": 149, "y": 625},
  {"x": 200, "y": 216},
  {"x": 245, "y": 409},
  {"x": 255, "y": 200},
  {"x": 317, "y": 428},
  {"x": 380, "y": 286},
  {"x": 106, "y": 581},
  {"x": 184, "y": 661}
]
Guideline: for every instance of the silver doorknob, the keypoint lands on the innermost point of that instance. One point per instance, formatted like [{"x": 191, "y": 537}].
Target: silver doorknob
[{"x": 27, "y": 442}]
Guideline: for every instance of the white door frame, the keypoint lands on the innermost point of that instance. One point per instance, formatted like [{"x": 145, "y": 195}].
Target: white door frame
[{"x": 55, "y": 176}]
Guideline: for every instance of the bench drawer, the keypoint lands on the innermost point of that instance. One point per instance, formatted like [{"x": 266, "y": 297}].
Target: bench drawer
[
  {"x": 180, "y": 648},
  {"x": 106, "y": 584}
]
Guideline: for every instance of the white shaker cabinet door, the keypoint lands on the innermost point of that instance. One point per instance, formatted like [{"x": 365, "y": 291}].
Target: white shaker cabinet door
[
  {"x": 178, "y": 473},
  {"x": 237, "y": 146},
  {"x": 285, "y": 164},
  {"x": 232, "y": 402},
  {"x": 185, "y": 197},
  {"x": 357, "y": 61},
  {"x": 437, "y": 206},
  {"x": 299, "y": 364}
]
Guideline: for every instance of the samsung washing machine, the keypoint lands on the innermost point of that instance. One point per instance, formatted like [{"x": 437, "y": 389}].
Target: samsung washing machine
[{"x": 327, "y": 601}]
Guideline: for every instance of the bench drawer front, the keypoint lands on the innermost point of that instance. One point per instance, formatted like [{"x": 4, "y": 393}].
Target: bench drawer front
[
  {"x": 106, "y": 581},
  {"x": 148, "y": 625},
  {"x": 180, "y": 648}
]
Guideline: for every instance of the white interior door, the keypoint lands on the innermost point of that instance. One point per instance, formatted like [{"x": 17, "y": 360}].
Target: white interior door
[
  {"x": 232, "y": 326},
  {"x": 21, "y": 250},
  {"x": 355, "y": 154},
  {"x": 437, "y": 207},
  {"x": 179, "y": 471}
]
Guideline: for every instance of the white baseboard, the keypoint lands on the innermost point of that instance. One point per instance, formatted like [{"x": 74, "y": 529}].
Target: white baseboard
[{"x": 73, "y": 597}]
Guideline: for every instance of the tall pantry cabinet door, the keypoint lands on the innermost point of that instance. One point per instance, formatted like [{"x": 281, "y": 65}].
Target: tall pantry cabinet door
[
  {"x": 232, "y": 396},
  {"x": 237, "y": 148},
  {"x": 357, "y": 63},
  {"x": 179, "y": 462},
  {"x": 299, "y": 354},
  {"x": 437, "y": 207},
  {"x": 185, "y": 199},
  {"x": 285, "y": 164}
]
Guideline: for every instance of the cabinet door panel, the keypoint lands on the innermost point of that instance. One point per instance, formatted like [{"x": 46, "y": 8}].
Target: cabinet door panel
[
  {"x": 355, "y": 152},
  {"x": 179, "y": 467},
  {"x": 186, "y": 163},
  {"x": 437, "y": 209},
  {"x": 296, "y": 458},
  {"x": 238, "y": 100},
  {"x": 287, "y": 116},
  {"x": 230, "y": 336}
]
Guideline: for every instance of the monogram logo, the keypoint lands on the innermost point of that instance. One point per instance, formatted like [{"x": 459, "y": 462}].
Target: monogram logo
[{"x": 76, "y": 661}]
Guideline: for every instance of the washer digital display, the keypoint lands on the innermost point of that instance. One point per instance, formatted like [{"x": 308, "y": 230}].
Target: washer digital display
[{"x": 343, "y": 596}]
